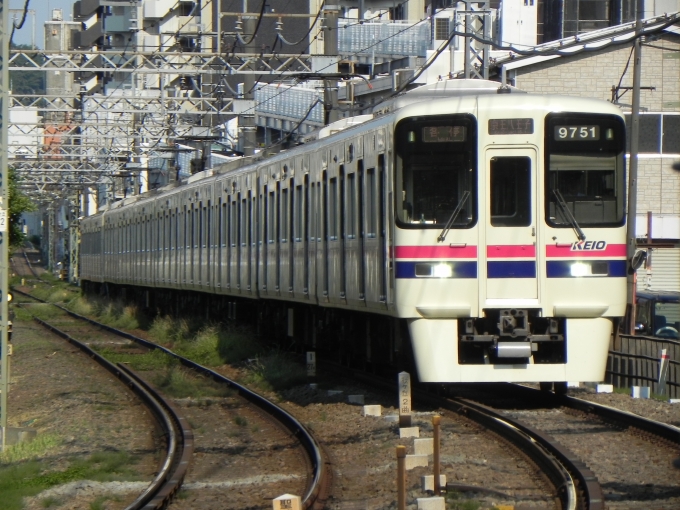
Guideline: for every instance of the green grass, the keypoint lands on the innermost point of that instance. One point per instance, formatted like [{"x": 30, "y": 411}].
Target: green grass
[
  {"x": 112, "y": 313},
  {"x": 29, "y": 449},
  {"x": 49, "y": 502},
  {"x": 45, "y": 312},
  {"x": 177, "y": 382},
  {"x": 21, "y": 313},
  {"x": 240, "y": 421},
  {"x": 21, "y": 479},
  {"x": 275, "y": 371},
  {"x": 456, "y": 501}
]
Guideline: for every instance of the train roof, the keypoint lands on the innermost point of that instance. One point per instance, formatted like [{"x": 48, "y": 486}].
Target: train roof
[{"x": 445, "y": 89}]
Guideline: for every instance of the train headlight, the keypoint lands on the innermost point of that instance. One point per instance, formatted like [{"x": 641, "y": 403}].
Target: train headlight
[
  {"x": 442, "y": 271},
  {"x": 580, "y": 269}
]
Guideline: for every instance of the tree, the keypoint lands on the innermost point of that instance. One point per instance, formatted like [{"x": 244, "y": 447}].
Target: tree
[
  {"x": 19, "y": 203},
  {"x": 26, "y": 82}
]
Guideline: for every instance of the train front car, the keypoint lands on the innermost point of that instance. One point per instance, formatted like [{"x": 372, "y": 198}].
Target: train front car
[{"x": 510, "y": 240}]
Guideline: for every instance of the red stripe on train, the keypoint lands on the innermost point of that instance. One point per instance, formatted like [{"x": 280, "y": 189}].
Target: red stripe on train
[
  {"x": 435, "y": 252},
  {"x": 510, "y": 251}
]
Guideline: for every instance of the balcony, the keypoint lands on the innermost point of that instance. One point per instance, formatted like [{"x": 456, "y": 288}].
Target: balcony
[{"x": 88, "y": 38}]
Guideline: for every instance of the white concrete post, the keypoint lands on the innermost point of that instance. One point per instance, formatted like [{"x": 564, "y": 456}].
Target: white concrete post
[
  {"x": 311, "y": 364},
  {"x": 404, "y": 399}
]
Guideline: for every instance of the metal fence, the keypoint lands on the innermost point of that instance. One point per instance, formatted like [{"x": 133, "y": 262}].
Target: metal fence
[
  {"x": 405, "y": 38},
  {"x": 635, "y": 361}
]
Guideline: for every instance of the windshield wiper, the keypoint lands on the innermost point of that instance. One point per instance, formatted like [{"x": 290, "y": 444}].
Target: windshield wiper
[
  {"x": 454, "y": 214},
  {"x": 565, "y": 209}
]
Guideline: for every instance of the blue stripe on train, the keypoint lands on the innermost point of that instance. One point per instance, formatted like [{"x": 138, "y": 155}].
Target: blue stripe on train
[
  {"x": 511, "y": 269},
  {"x": 562, "y": 268},
  {"x": 407, "y": 269}
]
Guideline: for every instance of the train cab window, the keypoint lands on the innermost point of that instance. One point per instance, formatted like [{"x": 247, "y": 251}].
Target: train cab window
[
  {"x": 436, "y": 171},
  {"x": 510, "y": 199},
  {"x": 585, "y": 170}
]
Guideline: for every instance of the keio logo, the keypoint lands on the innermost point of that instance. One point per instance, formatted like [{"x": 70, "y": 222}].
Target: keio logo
[{"x": 589, "y": 246}]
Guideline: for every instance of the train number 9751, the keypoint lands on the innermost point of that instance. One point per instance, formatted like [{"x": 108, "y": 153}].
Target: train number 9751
[{"x": 567, "y": 133}]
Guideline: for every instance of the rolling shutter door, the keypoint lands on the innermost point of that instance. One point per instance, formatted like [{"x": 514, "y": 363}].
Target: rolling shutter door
[{"x": 665, "y": 269}]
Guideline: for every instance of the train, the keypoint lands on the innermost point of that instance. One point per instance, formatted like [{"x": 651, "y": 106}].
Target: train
[{"x": 468, "y": 228}]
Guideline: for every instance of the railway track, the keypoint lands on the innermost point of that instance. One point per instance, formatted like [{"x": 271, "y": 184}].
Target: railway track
[
  {"x": 180, "y": 439},
  {"x": 572, "y": 485},
  {"x": 575, "y": 443},
  {"x": 628, "y": 459}
]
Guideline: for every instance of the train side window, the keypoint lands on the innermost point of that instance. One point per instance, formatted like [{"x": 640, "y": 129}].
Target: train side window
[
  {"x": 201, "y": 231},
  {"x": 223, "y": 225},
  {"x": 371, "y": 203},
  {"x": 245, "y": 222},
  {"x": 332, "y": 209},
  {"x": 184, "y": 228},
  {"x": 298, "y": 215},
  {"x": 351, "y": 210},
  {"x": 510, "y": 192},
  {"x": 283, "y": 217},
  {"x": 194, "y": 227},
  {"x": 233, "y": 223},
  {"x": 271, "y": 219}
]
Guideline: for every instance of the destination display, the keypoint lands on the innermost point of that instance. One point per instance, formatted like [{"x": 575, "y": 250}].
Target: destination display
[
  {"x": 440, "y": 134},
  {"x": 577, "y": 133},
  {"x": 511, "y": 126}
]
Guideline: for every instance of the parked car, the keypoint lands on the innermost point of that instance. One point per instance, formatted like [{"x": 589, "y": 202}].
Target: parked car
[{"x": 657, "y": 313}]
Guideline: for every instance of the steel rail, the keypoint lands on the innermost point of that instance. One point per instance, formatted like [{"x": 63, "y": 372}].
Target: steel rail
[
  {"x": 169, "y": 478},
  {"x": 663, "y": 430},
  {"x": 316, "y": 492},
  {"x": 320, "y": 465}
]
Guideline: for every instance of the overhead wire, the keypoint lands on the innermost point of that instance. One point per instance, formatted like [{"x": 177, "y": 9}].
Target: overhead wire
[{"x": 16, "y": 27}]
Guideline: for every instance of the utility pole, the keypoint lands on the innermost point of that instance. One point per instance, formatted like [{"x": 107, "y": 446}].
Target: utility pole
[
  {"x": 330, "y": 47},
  {"x": 5, "y": 32},
  {"x": 633, "y": 165},
  {"x": 246, "y": 120}
]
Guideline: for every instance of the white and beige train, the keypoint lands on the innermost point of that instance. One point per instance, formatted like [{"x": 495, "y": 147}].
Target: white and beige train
[{"x": 482, "y": 226}]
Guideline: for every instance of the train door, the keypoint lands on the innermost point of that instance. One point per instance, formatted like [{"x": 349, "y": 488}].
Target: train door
[
  {"x": 510, "y": 229},
  {"x": 321, "y": 238},
  {"x": 352, "y": 216},
  {"x": 284, "y": 267},
  {"x": 232, "y": 228},
  {"x": 253, "y": 236},
  {"x": 244, "y": 262}
]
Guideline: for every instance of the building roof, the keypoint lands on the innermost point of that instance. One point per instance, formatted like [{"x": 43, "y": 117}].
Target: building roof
[{"x": 589, "y": 41}]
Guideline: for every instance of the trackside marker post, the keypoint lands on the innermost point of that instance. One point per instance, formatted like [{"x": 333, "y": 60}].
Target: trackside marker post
[
  {"x": 436, "y": 422},
  {"x": 287, "y": 502},
  {"x": 401, "y": 477},
  {"x": 311, "y": 364},
  {"x": 663, "y": 371},
  {"x": 404, "y": 399}
]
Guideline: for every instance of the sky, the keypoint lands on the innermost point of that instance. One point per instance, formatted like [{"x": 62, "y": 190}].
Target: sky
[{"x": 42, "y": 12}]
